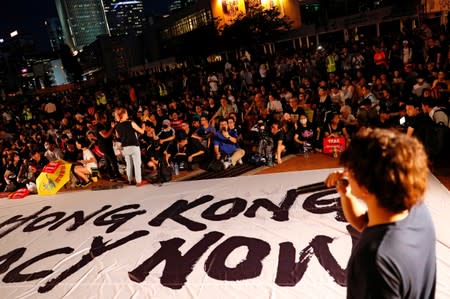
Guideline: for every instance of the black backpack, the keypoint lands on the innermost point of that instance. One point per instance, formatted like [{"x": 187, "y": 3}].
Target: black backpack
[{"x": 164, "y": 171}]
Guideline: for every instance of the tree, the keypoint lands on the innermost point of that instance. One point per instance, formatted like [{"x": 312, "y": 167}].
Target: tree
[{"x": 256, "y": 27}]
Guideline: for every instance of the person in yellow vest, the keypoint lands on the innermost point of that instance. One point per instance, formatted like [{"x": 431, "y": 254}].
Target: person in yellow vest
[
  {"x": 162, "y": 90},
  {"x": 27, "y": 115},
  {"x": 100, "y": 98},
  {"x": 331, "y": 63}
]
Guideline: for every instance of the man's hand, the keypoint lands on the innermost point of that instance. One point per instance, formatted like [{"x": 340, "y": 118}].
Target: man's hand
[{"x": 337, "y": 179}]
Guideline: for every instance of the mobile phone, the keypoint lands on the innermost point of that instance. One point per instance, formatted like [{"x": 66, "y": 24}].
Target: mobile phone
[{"x": 402, "y": 120}]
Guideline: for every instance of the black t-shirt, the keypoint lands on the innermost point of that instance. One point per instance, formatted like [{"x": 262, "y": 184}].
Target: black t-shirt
[
  {"x": 421, "y": 124},
  {"x": 339, "y": 130},
  {"x": 307, "y": 133},
  {"x": 103, "y": 143},
  {"x": 277, "y": 137},
  {"x": 193, "y": 147},
  {"x": 127, "y": 134},
  {"x": 395, "y": 260},
  {"x": 295, "y": 115},
  {"x": 70, "y": 156}
]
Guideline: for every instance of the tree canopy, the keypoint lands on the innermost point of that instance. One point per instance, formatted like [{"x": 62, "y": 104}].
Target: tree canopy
[{"x": 258, "y": 26}]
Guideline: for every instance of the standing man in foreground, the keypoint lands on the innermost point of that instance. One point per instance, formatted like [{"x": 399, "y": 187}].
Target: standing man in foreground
[{"x": 396, "y": 255}]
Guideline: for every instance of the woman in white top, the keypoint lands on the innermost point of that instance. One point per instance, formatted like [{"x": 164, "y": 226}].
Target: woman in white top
[{"x": 89, "y": 162}]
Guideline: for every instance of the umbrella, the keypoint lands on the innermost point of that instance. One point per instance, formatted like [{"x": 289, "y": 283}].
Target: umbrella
[{"x": 53, "y": 177}]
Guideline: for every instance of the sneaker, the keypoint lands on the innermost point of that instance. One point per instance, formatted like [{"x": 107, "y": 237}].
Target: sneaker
[
  {"x": 226, "y": 165},
  {"x": 240, "y": 162},
  {"x": 85, "y": 184}
]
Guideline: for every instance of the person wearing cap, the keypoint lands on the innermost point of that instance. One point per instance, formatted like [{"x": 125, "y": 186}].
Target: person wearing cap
[
  {"x": 166, "y": 137},
  {"x": 418, "y": 88},
  {"x": 407, "y": 53}
]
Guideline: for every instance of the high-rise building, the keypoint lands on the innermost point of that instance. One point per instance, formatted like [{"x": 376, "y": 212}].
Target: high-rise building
[
  {"x": 81, "y": 21},
  {"x": 55, "y": 33},
  {"x": 179, "y": 4},
  {"x": 124, "y": 17}
]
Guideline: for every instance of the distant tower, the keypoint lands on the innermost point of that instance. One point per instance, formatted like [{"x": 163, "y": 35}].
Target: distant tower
[
  {"x": 81, "y": 21},
  {"x": 55, "y": 33},
  {"x": 124, "y": 17},
  {"x": 179, "y": 4}
]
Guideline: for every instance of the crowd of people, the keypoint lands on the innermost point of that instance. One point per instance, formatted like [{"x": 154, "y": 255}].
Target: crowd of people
[{"x": 251, "y": 110}]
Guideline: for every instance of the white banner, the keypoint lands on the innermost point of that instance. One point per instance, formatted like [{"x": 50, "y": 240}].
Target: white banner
[{"x": 244, "y": 237}]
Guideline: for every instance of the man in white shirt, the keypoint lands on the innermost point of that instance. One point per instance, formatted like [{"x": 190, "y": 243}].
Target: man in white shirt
[{"x": 420, "y": 86}]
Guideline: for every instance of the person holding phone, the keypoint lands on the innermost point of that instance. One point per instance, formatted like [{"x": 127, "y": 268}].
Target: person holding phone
[{"x": 226, "y": 144}]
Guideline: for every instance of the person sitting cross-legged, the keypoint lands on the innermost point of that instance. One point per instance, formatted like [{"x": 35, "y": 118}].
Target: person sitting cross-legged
[
  {"x": 225, "y": 144},
  {"x": 187, "y": 152}
]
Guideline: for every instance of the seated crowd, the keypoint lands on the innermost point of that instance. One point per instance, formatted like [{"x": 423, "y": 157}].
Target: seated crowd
[{"x": 248, "y": 111}]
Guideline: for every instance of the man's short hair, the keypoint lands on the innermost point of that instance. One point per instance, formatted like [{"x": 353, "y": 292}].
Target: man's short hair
[
  {"x": 430, "y": 102},
  {"x": 83, "y": 142},
  {"x": 398, "y": 167},
  {"x": 222, "y": 119}
]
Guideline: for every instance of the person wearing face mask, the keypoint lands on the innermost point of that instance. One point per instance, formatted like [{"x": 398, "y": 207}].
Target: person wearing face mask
[
  {"x": 166, "y": 137},
  {"x": 305, "y": 134}
]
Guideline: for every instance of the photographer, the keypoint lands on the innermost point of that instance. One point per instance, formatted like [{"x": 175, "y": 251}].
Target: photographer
[{"x": 264, "y": 143}]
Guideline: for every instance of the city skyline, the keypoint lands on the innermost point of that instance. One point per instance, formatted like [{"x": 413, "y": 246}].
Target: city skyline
[{"x": 28, "y": 17}]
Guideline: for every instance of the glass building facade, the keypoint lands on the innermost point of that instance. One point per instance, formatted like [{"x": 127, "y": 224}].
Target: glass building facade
[
  {"x": 187, "y": 24},
  {"x": 124, "y": 17},
  {"x": 179, "y": 4},
  {"x": 81, "y": 21}
]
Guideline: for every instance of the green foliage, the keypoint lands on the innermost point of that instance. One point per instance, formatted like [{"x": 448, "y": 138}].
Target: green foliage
[{"x": 258, "y": 26}]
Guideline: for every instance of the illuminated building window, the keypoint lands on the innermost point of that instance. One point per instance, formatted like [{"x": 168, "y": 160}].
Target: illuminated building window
[{"x": 188, "y": 24}]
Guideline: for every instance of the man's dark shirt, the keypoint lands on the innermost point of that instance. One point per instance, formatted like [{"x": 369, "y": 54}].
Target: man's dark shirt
[
  {"x": 395, "y": 260},
  {"x": 105, "y": 144}
]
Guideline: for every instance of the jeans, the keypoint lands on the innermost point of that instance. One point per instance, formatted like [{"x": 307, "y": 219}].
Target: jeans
[{"x": 132, "y": 155}]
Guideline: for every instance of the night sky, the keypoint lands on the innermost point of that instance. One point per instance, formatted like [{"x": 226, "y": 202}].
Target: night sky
[{"x": 28, "y": 16}]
